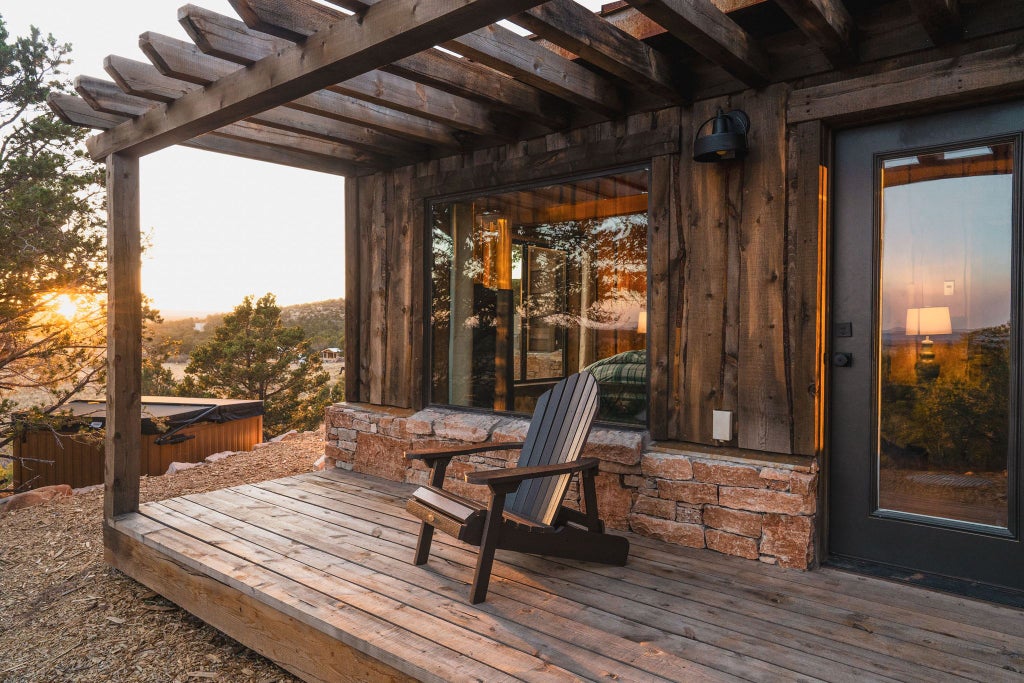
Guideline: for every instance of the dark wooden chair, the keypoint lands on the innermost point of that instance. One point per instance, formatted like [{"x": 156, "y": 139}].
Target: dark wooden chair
[{"x": 525, "y": 512}]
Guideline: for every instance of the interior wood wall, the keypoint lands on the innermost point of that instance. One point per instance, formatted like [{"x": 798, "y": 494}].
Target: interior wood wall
[{"x": 733, "y": 298}]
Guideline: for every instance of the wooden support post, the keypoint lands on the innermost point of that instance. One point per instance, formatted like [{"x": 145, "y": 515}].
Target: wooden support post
[{"x": 124, "y": 338}]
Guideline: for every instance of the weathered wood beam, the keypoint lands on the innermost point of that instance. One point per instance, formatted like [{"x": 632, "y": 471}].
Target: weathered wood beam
[
  {"x": 388, "y": 31},
  {"x": 573, "y": 27},
  {"x": 230, "y": 39},
  {"x": 109, "y": 98},
  {"x": 124, "y": 338},
  {"x": 941, "y": 19},
  {"x": 494, "y": 47},
  {"x": 76, "y": 111},
  {"x": 173, "y": 57},
  {"x": 827, "y": 24},
  {"x": 144, "y": 80},
  {"x": 975, "y": 78},
  {"x": 708, "y": 30}
]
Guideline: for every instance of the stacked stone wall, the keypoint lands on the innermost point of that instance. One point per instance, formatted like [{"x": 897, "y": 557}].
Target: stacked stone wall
[{"x": 698, "y": 499}]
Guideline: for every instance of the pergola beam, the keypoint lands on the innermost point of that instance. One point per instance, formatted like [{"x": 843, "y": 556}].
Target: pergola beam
[
  {"x": 707, "y": 29},
  {"x": 573, "y": 27},
  {"x": 181, "y": 60},
  {"x": 828, "y": 24},
  {"x": 144, "y": 80},
  {"x": 76, "y": 111},
  {"x": 390, "y": 30},
  {"x": 493, "y": 46},
  {"x": 941, "y": 19},
  {"x": 227, "y": 38}
]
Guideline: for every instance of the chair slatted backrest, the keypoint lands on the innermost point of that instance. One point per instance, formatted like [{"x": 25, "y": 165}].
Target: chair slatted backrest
[{"x": 559, "y": 429}]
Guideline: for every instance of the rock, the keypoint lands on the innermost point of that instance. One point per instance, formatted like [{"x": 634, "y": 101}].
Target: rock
[
  {"x": 34, "y": 497},
  {"x": 181, "y": 466},
  {"x": 680, "y": 533},
  {"x": 731, "y": 544},
  {"x": 667, "y": 466},
  {"x": 727, "y": 474},
  {"x": 321, "y": 463},
  {"x": 733, "y": 521},
  {"x": 87, "y": 489},
  {"x": 688, "y": 491},
  {"x": 219, "y": 456}
]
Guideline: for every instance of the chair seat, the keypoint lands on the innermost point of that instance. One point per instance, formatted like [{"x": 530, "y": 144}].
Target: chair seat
[{"x": 461, "y": 517}]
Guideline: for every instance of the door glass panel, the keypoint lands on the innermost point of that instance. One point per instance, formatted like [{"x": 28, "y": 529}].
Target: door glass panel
[{"x": 944, "y": 348}]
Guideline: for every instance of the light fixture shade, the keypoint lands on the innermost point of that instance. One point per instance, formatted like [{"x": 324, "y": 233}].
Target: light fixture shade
[
  {"x": 727, "y": 139},
  {"x": 641, "y": 323},
  {"x": 929, "y": 320}
]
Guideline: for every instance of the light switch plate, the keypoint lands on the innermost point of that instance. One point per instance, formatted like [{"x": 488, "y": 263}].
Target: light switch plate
[
  {"x": 721, "y": 425},
  {"x": 947, "y": 287}
]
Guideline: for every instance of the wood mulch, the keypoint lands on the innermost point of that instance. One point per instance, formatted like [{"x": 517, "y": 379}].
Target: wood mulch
[{"x": 65, "y": 615}]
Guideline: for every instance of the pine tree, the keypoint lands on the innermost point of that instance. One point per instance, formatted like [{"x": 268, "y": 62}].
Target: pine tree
[{"x": 253, "y": 356}]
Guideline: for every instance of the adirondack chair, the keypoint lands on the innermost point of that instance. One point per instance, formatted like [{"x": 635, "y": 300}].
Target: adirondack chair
[{"x": 525, "y": 511}]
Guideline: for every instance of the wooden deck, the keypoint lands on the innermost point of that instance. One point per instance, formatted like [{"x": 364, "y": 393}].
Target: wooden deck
[{"x": 314, "y": 572}]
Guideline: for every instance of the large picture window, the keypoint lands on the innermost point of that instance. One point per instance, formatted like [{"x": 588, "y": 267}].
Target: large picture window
[{"x": 533, "y": 285}]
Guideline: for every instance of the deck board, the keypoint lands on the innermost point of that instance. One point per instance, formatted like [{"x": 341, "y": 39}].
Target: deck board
[{"x": 331, "y": 552}]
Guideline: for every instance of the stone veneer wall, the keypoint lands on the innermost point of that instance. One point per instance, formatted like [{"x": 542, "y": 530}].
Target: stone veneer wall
[{"x": 757, "y": 509}]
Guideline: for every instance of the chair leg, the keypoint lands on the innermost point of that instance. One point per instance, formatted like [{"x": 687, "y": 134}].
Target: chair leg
[
  {"x": 489, "y": 543},
  {"x": 423, "y": 545}
]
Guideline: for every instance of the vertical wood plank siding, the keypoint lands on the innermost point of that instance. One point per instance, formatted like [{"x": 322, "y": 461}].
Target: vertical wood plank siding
[{"x": 734, "y": 267}]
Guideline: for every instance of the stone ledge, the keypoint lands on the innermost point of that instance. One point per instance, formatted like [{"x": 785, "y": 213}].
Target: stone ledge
[{"x": 738, "y": 456}]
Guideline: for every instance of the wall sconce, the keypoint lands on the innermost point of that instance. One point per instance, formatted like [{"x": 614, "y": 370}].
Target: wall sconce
[
  {"x": 928, "y": 321},
  {"x": 727, "y": 139}
]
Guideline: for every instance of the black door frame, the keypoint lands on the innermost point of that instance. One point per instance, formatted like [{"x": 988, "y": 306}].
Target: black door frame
[{"x": 994, "y": 119}]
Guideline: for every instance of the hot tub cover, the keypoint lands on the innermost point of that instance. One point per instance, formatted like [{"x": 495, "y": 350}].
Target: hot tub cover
[{"x": 172, "y": 411}]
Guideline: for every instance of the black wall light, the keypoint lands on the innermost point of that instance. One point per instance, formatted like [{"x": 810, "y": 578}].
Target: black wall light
[{"x": 727, "y": 139}]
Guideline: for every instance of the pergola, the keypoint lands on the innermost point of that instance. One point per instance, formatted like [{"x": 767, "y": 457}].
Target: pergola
[{"x": 351, "y": 87}]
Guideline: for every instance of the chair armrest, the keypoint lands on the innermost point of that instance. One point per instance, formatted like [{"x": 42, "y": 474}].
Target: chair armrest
[
  {"x": 447, "y": 452},
  {"x": 514, "y": 475}
]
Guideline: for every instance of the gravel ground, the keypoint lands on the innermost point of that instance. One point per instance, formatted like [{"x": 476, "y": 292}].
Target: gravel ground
[{"x": 66, "y": 616}]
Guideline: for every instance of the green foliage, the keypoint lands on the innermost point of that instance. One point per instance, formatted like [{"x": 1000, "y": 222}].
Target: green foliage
[
  {"x": 52, "y": 235},
  {"x": 323, "y": 322},
  {"x": 253, "y": 355}
]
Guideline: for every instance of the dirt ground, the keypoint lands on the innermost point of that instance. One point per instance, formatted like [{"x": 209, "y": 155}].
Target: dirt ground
[{"x": 66, "y": 616}]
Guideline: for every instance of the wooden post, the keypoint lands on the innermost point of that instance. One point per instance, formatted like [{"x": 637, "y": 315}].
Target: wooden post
[{"x": 124, "y": 338}]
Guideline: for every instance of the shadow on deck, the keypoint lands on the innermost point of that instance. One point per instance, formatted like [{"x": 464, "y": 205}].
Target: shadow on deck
[{"x": 314, "y": 572}]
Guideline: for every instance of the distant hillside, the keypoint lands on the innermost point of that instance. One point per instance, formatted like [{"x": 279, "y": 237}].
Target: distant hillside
[{"x": 323, "y": 322}]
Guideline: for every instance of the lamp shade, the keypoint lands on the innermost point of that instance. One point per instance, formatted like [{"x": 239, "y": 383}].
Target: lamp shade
[
  {"x": 929, "y": 320},
  {"x": 727, "y": 139}
]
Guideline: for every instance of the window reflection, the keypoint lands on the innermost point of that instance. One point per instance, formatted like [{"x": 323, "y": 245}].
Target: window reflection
[
  {"x": 534, "y": 285},
  {"x": 945, "y": 306}
]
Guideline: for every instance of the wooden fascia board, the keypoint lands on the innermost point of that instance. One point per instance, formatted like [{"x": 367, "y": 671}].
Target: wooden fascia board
[
  {"x": 269, "y": 26},
  {"x": 705, "y": 28},
  {"x": 983, "y": 76},
  {"x": 76, "y": 111},
  {"x": 827, "y": 24},
  {"x": 385, "y": 32},
  {"x": 571, "y": 26}
]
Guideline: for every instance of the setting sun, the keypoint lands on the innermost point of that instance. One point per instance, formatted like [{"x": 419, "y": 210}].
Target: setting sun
[{"x": 65, "y": 306}]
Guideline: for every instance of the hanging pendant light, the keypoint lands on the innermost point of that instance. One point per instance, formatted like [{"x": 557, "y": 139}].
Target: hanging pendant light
[{"x": 727, "y": 139}]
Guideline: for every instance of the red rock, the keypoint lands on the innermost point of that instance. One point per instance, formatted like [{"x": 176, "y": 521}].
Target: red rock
[
  {"x": 691, "y": 535},
  {"x": 733, "y": 521},
  {"x": 772, "y": 474},
  {"x": 665, "y": 466},
  {"x": 613, "y": 501},
  {"x": 688, "y": 492},
  {"x": 338, "y": 454},
  {"x": 789, "y": 539},
  {"x": 691, "y": 514},
  {"x": 468, "y": 427},
  {"x": 804, "y": 484},
  {"x": 655, "y": 507},
  {"x": 762, "y": 500},
  {"x": 38, "y": 496},
  {"x": 727, "y": 474},
  {"x": 381, "y": 456},
  {"x": 731, "y": 544}
]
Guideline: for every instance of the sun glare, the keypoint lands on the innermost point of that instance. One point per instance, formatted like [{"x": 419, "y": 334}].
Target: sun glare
[{"x": 65, "y": 306}]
